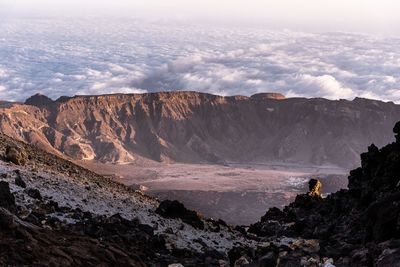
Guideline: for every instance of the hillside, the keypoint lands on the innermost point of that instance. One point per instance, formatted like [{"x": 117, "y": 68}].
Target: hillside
[
  {"x": 54, "y": 213},
  {"x": 194, "y": 127}
]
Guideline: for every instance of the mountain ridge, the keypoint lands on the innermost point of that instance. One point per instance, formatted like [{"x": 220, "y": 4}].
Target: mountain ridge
[{"x": 197, "y": 127}]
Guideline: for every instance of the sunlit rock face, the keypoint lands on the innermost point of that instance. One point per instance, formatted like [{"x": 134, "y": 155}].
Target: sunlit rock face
[{"x": 196, "y": 127}]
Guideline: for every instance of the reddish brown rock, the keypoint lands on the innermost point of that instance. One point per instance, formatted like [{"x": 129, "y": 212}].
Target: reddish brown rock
[{"x": 196, "y": 127}]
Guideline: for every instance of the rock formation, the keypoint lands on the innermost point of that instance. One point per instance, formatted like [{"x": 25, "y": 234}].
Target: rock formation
[
  {"x": 355, "y": 227},
  {"x": 195, "y": 127},
  {"x": 396, "y": 130},
  {"x": 15, "y": 155},
  {"x": 7, "y": 200},
  {"x": 314, "y": 188},
  {"x": 174, "y": 209},
  {"x": 39, "y": 100}
]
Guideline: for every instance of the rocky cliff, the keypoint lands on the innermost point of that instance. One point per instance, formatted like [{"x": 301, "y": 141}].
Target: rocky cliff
[
  {"x": 197, "y": 127},
  {"x": 356, "y": 227}
]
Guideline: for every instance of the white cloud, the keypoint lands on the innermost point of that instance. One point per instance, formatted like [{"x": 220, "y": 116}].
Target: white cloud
[
  {"x": 324, "y": 86},
  {"x": 3, "y": 73},
  {"x": 83, "y": 57}
]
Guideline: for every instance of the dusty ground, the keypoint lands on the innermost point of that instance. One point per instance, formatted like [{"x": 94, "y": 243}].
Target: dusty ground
[{"x": 237, "y": 193}]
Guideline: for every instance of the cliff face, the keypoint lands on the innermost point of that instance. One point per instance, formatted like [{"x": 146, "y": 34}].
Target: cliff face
[{"x": 196, "y": 127}]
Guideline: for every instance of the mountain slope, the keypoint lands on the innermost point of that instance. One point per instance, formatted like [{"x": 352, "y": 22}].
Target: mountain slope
[
  {"x": 197, "y": 127},
  {"x": 55, "y": 213}
]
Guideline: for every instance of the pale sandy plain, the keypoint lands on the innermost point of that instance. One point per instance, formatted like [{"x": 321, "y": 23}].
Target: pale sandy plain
[{"x": 237, "y": 193}]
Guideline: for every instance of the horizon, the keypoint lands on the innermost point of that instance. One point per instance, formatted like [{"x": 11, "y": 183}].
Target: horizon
[
  {"x": 309, "y": 48},
  {"x": 197, "y": 92},
  {"x": 340, "y": 15}
]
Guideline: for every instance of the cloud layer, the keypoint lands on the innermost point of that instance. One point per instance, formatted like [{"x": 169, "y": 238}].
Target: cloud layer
[{"x": 58, "y": 57}]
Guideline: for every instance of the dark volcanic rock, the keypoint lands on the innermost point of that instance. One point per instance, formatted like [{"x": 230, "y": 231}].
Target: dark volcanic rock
[
  {"x": 175, "y": 209},
  {"x": 24, "y": 244},
  {"x": 396, "y": 130},
  {"x": 349, "y": 224},
  {"x": 7, "y": 200},
  {"x": 33, "y": 193},
  {"x": 18, "y": 180},
  {"x": 269, "y": 260}
]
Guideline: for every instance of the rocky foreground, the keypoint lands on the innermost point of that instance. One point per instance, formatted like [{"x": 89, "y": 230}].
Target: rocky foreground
[
  {"x": 54, "y": 213},
  {"x": 355, "y": 227}
]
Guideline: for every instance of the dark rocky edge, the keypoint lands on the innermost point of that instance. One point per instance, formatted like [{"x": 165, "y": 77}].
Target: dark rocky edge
[
  {"x": 359, "y": 226},
  {"x": 175, "y": 209}
]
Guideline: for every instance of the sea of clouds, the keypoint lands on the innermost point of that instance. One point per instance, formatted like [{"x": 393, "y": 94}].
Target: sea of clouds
[{"x": 92, "y": 56}]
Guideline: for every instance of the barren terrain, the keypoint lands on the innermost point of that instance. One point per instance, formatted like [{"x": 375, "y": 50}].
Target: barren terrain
[{"x": 237, "y": 193}]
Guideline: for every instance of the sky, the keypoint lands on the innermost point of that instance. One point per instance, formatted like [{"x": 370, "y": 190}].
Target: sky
[
  {"x": 380, "y": 16},
  {"x": 300, "y": 48}
]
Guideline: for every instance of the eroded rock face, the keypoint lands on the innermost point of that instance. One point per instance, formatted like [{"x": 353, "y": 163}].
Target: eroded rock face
[{"x": 196, "y": 127}]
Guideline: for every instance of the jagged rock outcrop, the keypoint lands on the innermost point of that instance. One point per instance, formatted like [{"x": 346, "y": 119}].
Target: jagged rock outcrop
[
  {"x": 7, "y": 200},
  {"x": 175, "y": 209},
  {"x": 396, "y": 130},
  {"x": 198, "y": 127},
  {"x": 356, "y": 227},
  {"x": 314, "y": 188}
]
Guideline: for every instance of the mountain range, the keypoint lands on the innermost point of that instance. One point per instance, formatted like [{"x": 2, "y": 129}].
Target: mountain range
[{"x": 194, "y": 127}]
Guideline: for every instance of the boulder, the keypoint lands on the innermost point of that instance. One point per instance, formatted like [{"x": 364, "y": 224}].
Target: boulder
[
  {"x": 7, "y": 199},
  {"x": 396, "y": 130},
  {"x": 18, "y": 180},
  {"x": 33, "y": 193},
  {"x": 175, "y": 209},
  {"x": 269, "y": 260},
  {"x": 241, "y": 262},
  {"x": 314, "y": 186},
  {"x": 16, "y": 155},
  {"x": 389, "y": 257}
]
